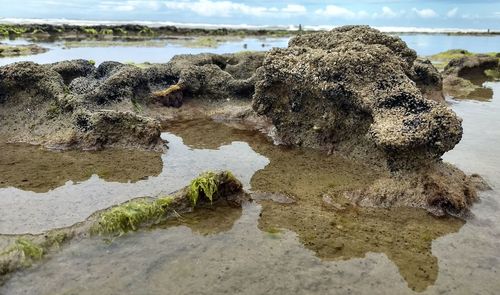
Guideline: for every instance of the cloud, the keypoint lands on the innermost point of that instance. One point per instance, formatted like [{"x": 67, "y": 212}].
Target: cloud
[
  {"x": 425, "y": 13},
  {"x": 130, "y": 5},
  {"x": 294, "y": 9},
  {"x": 388, "y": 12},
  {"x": 229, "y": 8},
  {"x": 336, "y": 11},
  {"x": 452, "y": 12}
]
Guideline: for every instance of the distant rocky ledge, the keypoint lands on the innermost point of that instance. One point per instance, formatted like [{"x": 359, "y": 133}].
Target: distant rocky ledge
[
  {"x": 125, "y": 31},
  {"x": 7, "y": 50},
  {"x": 353, "y": 91}
]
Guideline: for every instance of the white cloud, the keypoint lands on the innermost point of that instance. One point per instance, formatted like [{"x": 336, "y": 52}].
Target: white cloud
[
  {"x": 452, "y": 12},
  {"x": 425, "y": 13},
  {"x": 124, "y": 8},
  {"x": 294, "y": 9},
  {"x": 336, "y": 11},
  {"x": 130, "y": 5},
  {"x": 388, "y": 12},
  {"x": 229, "y": 8}
]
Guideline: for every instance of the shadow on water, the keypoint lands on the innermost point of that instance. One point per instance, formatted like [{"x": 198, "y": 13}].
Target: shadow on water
[{"x": 32, "y": 168}]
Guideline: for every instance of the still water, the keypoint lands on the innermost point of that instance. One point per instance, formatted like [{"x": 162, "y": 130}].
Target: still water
[{"x": 160, "y": 51}]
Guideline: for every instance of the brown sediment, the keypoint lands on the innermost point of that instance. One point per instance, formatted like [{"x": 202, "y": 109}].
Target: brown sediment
[{"x": 35, "y": 169}]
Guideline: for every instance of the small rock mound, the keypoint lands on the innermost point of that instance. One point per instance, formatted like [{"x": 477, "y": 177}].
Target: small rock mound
[
  {"x": 103, "y": 129},
  {"x": 28, "y": 81},
  {"x": 208, "y": 76},
  {"x": 470, "y": 66},
  {"x": 71, "y": 69},
  {"x": 36, "y": 106}
]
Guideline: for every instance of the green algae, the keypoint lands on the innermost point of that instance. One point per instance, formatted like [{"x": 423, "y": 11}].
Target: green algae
[
  {"x": 204, "y": 184},
  {"x": 27, "y": 250},
  {"x": 106, "y": 32},
  {"x": 492, "y": 73},
  {"x": 90, "y": 31},
  {"x": 440, "y": 60},
  {"x": 20, "y": 50},
  {"x": 129, "y": 216}
]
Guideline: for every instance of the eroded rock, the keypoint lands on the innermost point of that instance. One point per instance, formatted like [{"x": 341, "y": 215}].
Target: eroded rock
[
  {"x": 102, "y": 129},
  {"x": 464, "y": 76},
  {"x": 428, "y": 80},
  {"x": 359, "y": 92},
  {"x": 71, "y": 69},
  {"x": 353, "y": 93},
  {"x": 37, "y": 107}
]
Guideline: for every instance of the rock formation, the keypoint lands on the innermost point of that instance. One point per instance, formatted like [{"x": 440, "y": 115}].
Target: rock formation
[
  {"x": 356, "y": 90},
  {"x": 463, "y": 77},
  {"x": 37, "y": 107},
  {"x": 61, "y": 105}
]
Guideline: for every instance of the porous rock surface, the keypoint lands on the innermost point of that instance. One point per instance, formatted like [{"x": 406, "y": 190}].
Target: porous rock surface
[
  {"x": 37, "y": 107},
  {"x": 355, "y": 90},
  {"x": 73, "y": 104}
]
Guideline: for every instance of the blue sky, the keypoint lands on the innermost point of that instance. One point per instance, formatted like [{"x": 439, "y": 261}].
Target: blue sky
[{"x": 479, "y": 14}]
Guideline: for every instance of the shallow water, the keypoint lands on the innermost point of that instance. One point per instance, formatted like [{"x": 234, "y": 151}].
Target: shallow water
[
  {"x": 160, "y": 51},
  {"x": 25, "y": 211},
  {"x": 155, "y": 51}
]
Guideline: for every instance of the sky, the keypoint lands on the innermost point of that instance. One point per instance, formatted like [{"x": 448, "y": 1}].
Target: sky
[{"x": 470, "y": 14}]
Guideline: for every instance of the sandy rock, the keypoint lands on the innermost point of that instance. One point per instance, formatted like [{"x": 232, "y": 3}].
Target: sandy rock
[
  {"x": 208, "y": 76},
  {"x": 362, "y": 93},
  {"x": 35, "y": 107},
  {"x": 29, "y": 81},
  {"x": 440, "y": 188},
  {"x": 104, "y": 129},
  {"x": 119, "y": 83},
  {"x": 71, "y": 69}
]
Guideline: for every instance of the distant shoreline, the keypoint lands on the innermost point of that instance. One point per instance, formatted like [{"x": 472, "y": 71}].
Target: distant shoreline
[{"x": 54, "y": 26}]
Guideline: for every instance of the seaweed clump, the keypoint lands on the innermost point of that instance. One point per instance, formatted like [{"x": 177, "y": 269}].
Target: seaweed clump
[
  {"x": 129, "y": 216},
  {"x": 134, "y": 214},
  {"x": 207, "y": 185},
  {"x": 26, "y": 249}
]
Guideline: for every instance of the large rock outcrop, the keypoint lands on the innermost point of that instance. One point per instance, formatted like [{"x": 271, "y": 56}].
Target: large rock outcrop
[
  {"x": 353, "y": 90},
  {"x": 349, "y": 87}
]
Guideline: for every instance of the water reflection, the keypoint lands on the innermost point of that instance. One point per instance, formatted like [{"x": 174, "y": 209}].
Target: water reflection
[
  {"x": 32, "y": 168},
  {"x": 404, "y": 235},
  {"x": 24, "y": 211}
]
